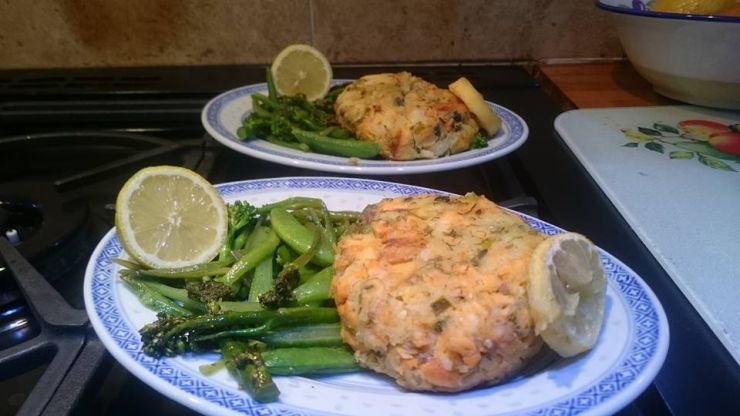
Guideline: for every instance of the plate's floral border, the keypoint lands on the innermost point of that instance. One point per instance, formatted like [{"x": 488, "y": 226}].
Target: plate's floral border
[{"x": 713, "y": 144}]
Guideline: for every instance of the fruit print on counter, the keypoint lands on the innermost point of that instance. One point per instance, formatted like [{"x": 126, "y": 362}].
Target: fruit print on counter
[{"x": 713, "y": 144}]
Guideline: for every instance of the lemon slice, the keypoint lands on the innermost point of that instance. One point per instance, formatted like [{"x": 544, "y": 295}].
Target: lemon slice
[
  {"x": 567, "y": 287},
  {"x": 168, "y": 216},
  {"x": 301, "y": 69},
  {"x": 486, "y": 117}
]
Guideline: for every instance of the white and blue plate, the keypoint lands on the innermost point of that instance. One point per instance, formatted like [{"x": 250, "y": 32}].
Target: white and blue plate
[
  {"x": 628, "y": 354},
  {"x": 224, "y": 114}
]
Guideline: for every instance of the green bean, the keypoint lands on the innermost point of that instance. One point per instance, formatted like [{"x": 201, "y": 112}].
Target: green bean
[
  {"x": 262, "y": 280},
  {"x": 258, "y": 232},
  {"x": 260, "y": 100},
  {"x": 153, "y": 299},
  {"x": 292, "y": 145},
  {"x": 306, "y": 123},
  {"x": 316, "y": 335},
  {"x": 131, "y": 265},
  {"x": 240, "y": 240},
  {"x": 314, "y": 360},
  {"x": 178, "y": 294},
  {"x": 228, "y": 306},
  {"x": 317, "y": 288},
  {"x": 306, "y": 272},
  {"x": 271, "y": 90},
  {"x": 338, "y": 147},
  {"x": 296, "y": 202},
  {"x": 262, "y": 249},
  {"x": 334, "y": 216},
  {"x": 336, "y": 132},
  {"x": 329, "y": 226},
  {"x": 261, "y": 112},
  {"x": 190, "y": 272},
  {"x": 284, "y": 255},
  {"x": 344, "y": 215},
  {"x": 298, "y": 237},
  {"x": 244, "y": 333},
  {"x": 325, "y": 223}
]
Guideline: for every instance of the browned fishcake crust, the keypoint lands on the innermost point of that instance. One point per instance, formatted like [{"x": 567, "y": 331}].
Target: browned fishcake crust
[
  {"x": 408, "y": 117},
  {"x": 431, "y": 290}
]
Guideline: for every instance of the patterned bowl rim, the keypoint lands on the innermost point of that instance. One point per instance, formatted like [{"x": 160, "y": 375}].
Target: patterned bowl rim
[{"x": 664, "y": 15}]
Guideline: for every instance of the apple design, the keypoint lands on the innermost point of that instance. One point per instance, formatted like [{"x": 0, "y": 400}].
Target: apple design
[
  {"x": 726, "y": 141},
  {"x": 702, "y": 129}
]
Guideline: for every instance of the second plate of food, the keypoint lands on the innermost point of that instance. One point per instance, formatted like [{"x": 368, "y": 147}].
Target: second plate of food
[{"x": 223, "y": 115}]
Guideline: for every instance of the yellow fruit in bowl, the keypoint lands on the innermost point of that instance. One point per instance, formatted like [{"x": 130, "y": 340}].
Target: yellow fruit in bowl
[{"x": 691, "y": 6}]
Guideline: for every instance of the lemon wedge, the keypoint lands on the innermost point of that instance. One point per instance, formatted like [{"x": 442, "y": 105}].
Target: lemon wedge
[
  {"x": 168, "y": 216},
  {"x": 487, "y": 118},
  {"x": 566, "y": 291},
  {"x": 301, "y": 69}
]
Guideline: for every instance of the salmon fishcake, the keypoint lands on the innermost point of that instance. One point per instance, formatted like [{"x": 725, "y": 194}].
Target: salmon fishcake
[
  {"x": 431, "y": 290},
  {"x": 408, "y": 117}
]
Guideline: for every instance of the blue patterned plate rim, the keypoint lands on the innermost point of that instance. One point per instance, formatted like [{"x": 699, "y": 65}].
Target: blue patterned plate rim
[
  {"x": 235, "y": 102},
  {"x": 639, "y": 359}
]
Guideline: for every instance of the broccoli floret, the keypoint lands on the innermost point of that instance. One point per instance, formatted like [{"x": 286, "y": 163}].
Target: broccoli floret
[
  {"x": 289, "y": 277},
  {"x": 153, "y": 335},
  {"x": 242, "y": 217},
  {"x": 254, "y": 126},
  {"x": 326, "y": 104},
  {"x": 280, "y": 126},
  {"x": 480, "y": 141},
  {"x": 209, "y": 293},
  {"x": 282, "y": 294}
]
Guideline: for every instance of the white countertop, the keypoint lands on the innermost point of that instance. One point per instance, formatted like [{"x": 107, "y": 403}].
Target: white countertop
[{"x": 680, "y": 196}]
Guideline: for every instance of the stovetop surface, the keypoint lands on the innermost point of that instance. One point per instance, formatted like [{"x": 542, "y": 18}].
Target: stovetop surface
[{"x": 70, "y": 116}]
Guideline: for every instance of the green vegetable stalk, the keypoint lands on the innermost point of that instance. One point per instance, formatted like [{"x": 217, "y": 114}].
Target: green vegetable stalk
[{"x": 245, "y": 363}]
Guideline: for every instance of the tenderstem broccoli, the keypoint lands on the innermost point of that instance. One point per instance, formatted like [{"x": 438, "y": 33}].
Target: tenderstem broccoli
[
  {"x": 172, "y": 335},
  {"x": 245, "y": 363},
  {"x": 242, "y": 217},
  {"x": 209, "y": 293},
  {"x": 289, "y": 277}
]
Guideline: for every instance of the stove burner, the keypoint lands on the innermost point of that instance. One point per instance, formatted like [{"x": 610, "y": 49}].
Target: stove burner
[
  {"x": 35, "y": 219},
  {"x": 46, "y": 178},
  {"x": 45, "y": 174}
]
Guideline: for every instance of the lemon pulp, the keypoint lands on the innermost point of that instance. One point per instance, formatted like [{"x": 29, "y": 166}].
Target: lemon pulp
[
  {"x": 168, "y": 216},
  {"x": 566, "y": 292},
  {"x": 301, "y": 69}
]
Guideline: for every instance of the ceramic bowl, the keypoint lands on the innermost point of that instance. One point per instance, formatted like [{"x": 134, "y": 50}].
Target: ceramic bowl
[{"x": 690, "y": 58}]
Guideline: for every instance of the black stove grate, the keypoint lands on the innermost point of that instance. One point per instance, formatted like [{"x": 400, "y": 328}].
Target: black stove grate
[{"x": 62, "y": 340}]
